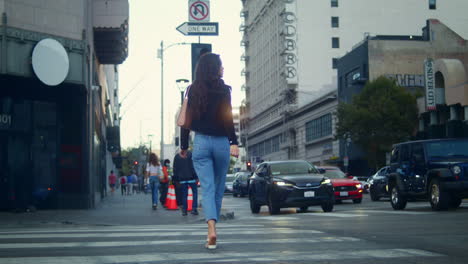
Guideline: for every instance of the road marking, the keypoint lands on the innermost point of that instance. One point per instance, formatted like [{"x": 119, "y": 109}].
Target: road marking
[
  {"x": 332, "y": 214},
  {"x": 401, "y": 212},
  {"x": 128, "y": 228},
  {"x": 159, "y": 234},
  {"x": 222, "y": 256},
  {"x": 172, "y": 242}
]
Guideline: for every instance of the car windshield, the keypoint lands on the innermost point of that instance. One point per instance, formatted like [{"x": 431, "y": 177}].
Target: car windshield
[
  {"x": 335, "y": 174},
  {"x": 288, "y": 168},
  {"x": 447, "y": 149},
  {"x": 229, "y": 178}
]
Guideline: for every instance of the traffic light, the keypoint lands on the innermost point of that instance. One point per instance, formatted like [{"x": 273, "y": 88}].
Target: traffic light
[
  {"x": 249, "y": 165},
  {"x": 198, "y": 49},
  {"x": 135, "y": 163}
]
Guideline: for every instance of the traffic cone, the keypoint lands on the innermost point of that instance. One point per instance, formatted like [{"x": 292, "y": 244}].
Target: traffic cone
[
  {"x": 189, "y": 199},
  {"x": 171, "y": 199}
]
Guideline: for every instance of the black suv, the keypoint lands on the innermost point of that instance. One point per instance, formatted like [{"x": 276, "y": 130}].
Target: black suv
[{"x": 434, "y": 170}]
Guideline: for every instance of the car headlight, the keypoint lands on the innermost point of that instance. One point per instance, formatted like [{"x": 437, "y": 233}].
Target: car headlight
[
  {"x": 456, "y": 169},
  {"x": 326, "y": 181},
  {"x": 282, "y": 183},
  {"x": 358, "y": 186}
]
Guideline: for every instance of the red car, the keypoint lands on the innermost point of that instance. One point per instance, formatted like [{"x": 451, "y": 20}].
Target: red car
[{"x": 346, "y": 188}]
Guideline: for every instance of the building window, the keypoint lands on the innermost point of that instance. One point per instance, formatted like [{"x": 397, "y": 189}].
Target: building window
[
  {"x": 432, "y": 4},
  {"x": 334, "y": 3},
  {"x": 319, "y": 128},
  {"x": 334, "y": 63},
  {"x": 336, "y": 43},
  {"x": 335, "y": 22}
]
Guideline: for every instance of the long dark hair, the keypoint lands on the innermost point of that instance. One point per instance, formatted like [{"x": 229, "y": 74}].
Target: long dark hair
[
  {"x": 206, "y": 76},
  {"x": 153, "y": 159}
]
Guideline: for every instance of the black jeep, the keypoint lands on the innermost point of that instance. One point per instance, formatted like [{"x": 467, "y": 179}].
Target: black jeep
[{"x": 434, "y": 170}]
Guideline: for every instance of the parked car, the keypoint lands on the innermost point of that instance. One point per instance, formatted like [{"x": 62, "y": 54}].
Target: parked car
[
  {"x": 345, "y": 187},
  {"x": 434, "y": 170},
  {"x": 378, "y": 184},
  {"x": 240, "y": 186},
  {"x": 228, "y": 183},
  {"x": 295, "y": 183}
]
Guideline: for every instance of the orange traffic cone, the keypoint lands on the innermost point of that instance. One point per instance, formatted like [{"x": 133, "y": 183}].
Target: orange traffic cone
[
  {"x": 189, "y": 199},
  {"x": 171, "y": 199}
]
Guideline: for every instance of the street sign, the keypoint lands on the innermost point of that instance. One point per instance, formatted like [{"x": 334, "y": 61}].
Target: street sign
[
  {"x": 199, "y": 11},
  {"x": 199, "y": 29}
]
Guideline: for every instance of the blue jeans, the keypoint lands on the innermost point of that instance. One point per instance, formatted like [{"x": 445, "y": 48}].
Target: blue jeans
[
  {"x": 211, "y": 159},
  {"x": 154, "y": 186},
  {"x": 184, "y": 193}
]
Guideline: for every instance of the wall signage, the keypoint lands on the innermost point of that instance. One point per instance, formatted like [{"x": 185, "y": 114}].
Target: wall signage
[
  {"x": 430, "y": 84},
  {"x": 290, "y": 34},
  {"x": 408, "y": 80},
  {"x": 5, "y": 121}
]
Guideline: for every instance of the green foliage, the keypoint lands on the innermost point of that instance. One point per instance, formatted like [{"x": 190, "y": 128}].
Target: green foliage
[
  {"x": 129, "y": 156},
  {"x": 380, "y": 116}
]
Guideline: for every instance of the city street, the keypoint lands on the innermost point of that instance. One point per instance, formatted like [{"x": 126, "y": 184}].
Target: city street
[{"x": 370, "y": 232}]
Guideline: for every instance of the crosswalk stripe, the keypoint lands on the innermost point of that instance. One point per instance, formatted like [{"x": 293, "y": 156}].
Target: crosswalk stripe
[
  {"x": 131, "y": 228},
  {"x": 113, "y": 230},
  {"x": 172, "y": 242},
  {"x": 400, "y": 212},
  {"x": 223, "y": 256},
  {"x": 159, "y": 234}
]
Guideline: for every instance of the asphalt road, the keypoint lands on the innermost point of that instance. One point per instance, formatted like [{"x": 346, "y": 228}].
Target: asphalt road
[{"x": 370, "y": 232}]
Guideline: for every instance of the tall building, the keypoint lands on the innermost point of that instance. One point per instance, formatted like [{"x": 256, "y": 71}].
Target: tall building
[
  {"x": 59, "y": 100},
  {"x": 433, "y": 64},
  {"x": 291, "y": 51}
]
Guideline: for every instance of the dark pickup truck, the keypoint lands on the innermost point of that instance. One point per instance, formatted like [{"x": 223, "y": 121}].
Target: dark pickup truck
[{"x": 434, "y": 170}]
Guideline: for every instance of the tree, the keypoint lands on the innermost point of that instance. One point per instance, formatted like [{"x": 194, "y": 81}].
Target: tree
[{"x": 381, "y": 115}]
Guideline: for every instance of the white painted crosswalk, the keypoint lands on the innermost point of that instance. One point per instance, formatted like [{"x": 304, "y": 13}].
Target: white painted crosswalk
[{"x": 183, "y": 244}]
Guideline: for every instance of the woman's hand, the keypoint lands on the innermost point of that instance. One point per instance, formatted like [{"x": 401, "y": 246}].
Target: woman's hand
[{"x": 234, "y": 151}]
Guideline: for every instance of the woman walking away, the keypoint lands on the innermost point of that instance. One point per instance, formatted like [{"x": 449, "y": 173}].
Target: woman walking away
[
  {"x": 164, "y": 183},
  {"x": 209, "y": 103},
  {"x": 153, "y": 171}
]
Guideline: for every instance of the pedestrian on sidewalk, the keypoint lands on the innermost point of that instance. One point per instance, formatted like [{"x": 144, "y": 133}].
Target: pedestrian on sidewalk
[
  {"x": 129, "y": 184},
  {"x": 209, "y": 105},
  {"x": 153, "y": 172},
  {"x": 123, "y": 184},
  {"x": 112, "y": 181},
  {"x": 185, "y": 173},
  {"x": 164, "y": 183},
  {"x": 134, "y": 182}
]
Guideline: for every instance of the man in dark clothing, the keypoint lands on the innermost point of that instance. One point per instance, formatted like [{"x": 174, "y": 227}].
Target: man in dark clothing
[{"x": 184, "y": 173}]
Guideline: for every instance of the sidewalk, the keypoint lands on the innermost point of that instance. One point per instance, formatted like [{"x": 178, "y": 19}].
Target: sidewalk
[{"x": 114, "y": 210}]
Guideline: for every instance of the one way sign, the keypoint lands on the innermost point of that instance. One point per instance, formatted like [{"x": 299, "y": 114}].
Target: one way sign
[{"x": 199, "y": 29}]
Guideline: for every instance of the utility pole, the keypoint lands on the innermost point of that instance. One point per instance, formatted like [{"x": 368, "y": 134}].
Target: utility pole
[{"x": 162, "y": 100}]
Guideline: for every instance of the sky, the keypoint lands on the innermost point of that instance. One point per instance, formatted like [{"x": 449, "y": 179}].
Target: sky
[{"x": 153, "y": 21}]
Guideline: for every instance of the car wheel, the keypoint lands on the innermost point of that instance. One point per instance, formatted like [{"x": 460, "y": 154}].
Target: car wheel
[
  {"x": 374, "y": 197},
  {"x": 356, "y": 201},
  {"x": 455, "y": 202},
  {"x": 303, "y": 209},
  {"x": 254, "y": 207},
  {"x": 338, "y": 201},
  {"x": 272, "y": 207},
  {"x": 438, "y": 198},
  {"x": 234, "y": 194},
  {"x": 396, "y": 199},
  {"x": 328, "y": 206}
]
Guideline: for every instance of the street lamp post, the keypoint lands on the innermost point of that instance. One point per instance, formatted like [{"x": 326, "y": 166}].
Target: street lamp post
[{"x": 161, "y": 57}]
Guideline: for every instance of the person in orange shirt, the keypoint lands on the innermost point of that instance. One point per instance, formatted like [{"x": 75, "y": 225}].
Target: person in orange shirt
[{"x": 164, "y": 181}]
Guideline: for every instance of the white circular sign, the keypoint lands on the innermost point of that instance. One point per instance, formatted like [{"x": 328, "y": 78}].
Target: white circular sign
[{"x": 50, "y": 62}]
